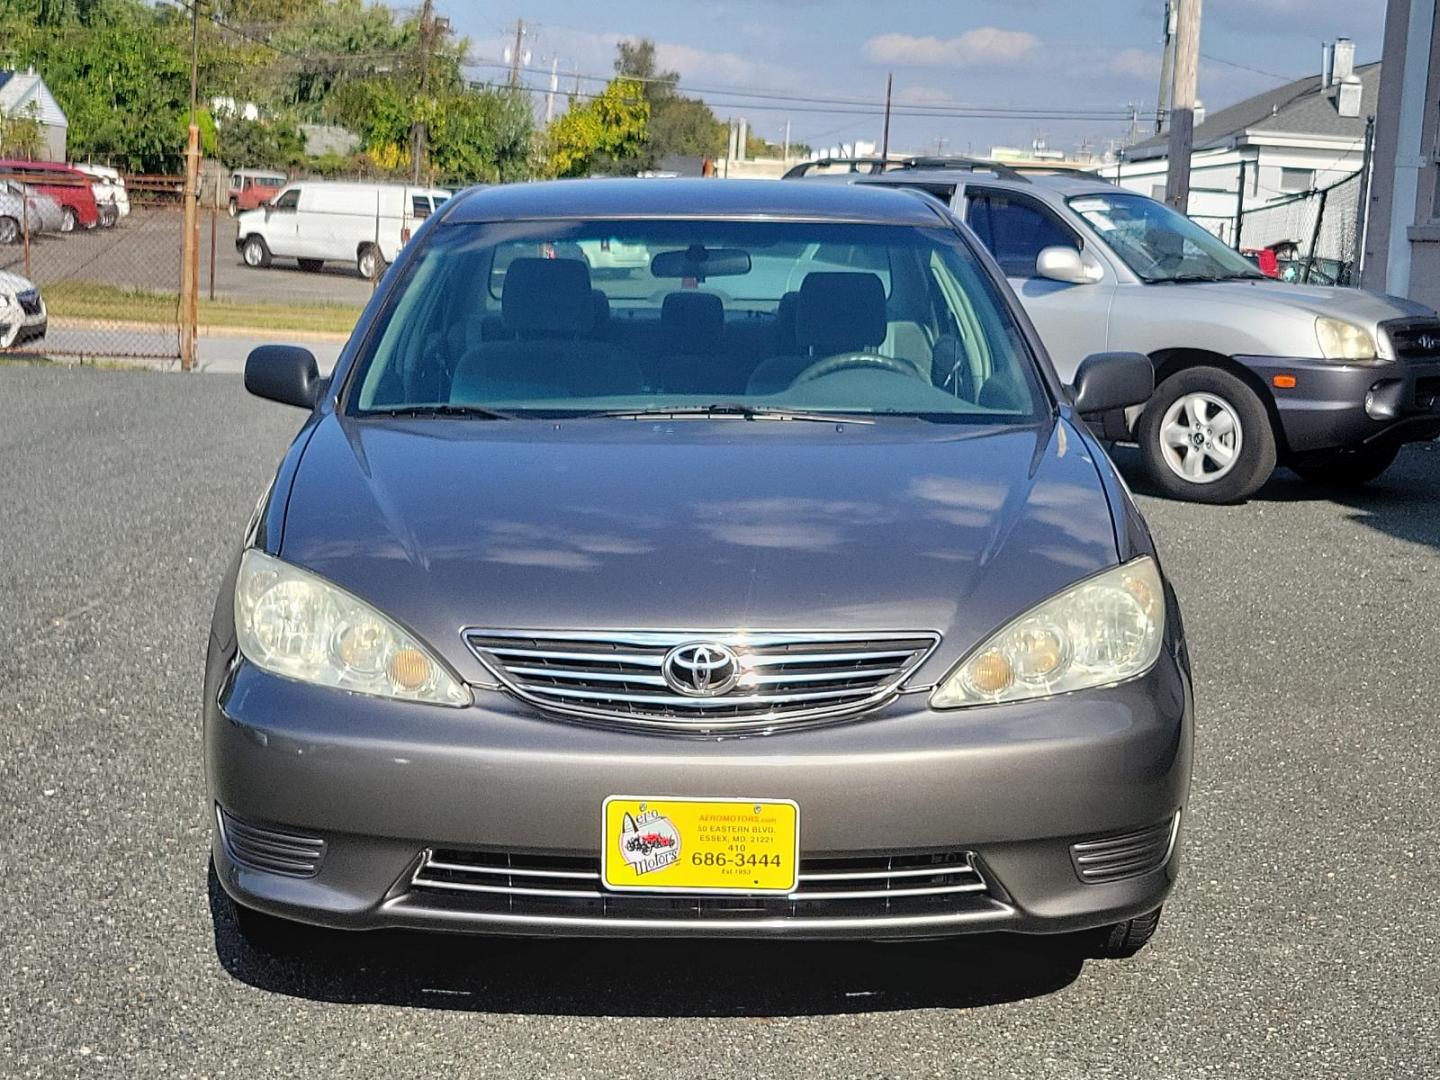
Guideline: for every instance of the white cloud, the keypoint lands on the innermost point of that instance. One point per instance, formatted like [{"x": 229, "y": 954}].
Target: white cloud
[{"x": 987, "y": 45}]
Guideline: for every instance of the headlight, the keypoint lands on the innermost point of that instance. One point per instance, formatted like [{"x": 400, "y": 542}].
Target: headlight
[
  {"x": 1104, "y": 630},
  {"x": 293, "y": 623},
  {"x": 1340, "y": 340}
]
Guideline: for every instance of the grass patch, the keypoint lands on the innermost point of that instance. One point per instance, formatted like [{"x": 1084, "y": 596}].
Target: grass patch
[{"x": 89, "y": 300}]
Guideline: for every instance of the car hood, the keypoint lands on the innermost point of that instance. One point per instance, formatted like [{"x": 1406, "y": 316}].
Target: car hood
[
  {"x": 698, "y": 524},
  {"x": 1353, "y": 305},
  {"x": 14, "y": 283}
]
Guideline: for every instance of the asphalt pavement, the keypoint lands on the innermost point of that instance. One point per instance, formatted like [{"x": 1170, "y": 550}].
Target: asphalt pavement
[{"x": 1301, "y": 942}]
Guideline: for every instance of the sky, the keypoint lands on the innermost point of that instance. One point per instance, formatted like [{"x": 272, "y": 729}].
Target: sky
[{"x": 1098, "y": 56}]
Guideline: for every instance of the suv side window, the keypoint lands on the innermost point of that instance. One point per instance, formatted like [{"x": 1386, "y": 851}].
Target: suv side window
[{"x": 1015, "y": 229}]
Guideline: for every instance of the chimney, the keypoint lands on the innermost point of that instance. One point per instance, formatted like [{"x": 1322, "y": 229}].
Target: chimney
[
  {"x": 1327, "y": 65},
  {"x": 1347, "y": 95},
  {"x": 1343, "y": 64}
]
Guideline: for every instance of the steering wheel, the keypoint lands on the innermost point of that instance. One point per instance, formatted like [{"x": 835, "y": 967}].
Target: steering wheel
[{"x": 855, "y": 361}]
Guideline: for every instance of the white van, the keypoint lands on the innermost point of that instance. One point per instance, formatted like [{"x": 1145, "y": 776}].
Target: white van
[{"x": 315, "y": 222}]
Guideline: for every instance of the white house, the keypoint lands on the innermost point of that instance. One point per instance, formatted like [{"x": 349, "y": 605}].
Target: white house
[
  {"x": 24, "y": 93},
  {"x": 1300, "y": 137}
]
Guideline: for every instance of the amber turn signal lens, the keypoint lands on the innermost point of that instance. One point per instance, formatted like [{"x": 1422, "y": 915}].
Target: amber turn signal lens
[
  {"x": 991, "y": 673},
  {"x": 1284, "y": 382},
  {"x": 409, "y": 669}
]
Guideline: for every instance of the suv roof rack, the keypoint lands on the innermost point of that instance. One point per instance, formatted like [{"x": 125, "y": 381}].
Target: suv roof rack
[
  {"x": 867, "y": 165},
  {"x": 968, "y": 164}
]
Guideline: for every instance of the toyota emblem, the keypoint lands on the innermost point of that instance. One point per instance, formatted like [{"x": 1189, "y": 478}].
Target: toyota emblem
[{"x": 701, "y": 669}]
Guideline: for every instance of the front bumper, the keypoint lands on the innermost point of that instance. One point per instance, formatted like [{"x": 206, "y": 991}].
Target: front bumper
[
  {"x": 380, "y": 784},
  {"x": 1336, "y": 405}
]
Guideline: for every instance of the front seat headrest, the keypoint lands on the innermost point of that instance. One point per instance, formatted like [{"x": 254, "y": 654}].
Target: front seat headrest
[
  {"x": 839, "y": 312},
  {"x": 547, "y": 296}
]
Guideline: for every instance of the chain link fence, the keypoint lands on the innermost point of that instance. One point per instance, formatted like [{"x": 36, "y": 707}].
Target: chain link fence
[
  {"x": 1312, "y": 234},
  {"x": 100, "y": 263}
]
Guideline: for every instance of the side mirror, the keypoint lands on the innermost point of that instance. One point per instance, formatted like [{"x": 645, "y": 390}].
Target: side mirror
[
  {"x": 1064, "y": 264},
  {"x": 284, "y": 373},
  {"x": 1113, "y": 380}
]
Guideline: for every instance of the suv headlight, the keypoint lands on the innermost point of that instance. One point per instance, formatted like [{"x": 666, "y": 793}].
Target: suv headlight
[
  {"x": 1340, "y": 340},
  {"x": 294, "y": 623},
  {"x": 1104, "y": 630}
]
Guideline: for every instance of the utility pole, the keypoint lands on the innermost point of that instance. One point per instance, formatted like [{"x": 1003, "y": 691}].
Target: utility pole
[
  {"x": 885, "y": 140},
  {"x": 785, "y": 151},
  {"x": 515, "y": 60},
  {"x": 190, "y": 224},
  {"x": 1167, "y": 59},
  {"x": 554, "y": 86},
  {"x": 1182, "y": 97},
  {"x": 1240, "y": 203},
  {"x": 417, "y": 127}
]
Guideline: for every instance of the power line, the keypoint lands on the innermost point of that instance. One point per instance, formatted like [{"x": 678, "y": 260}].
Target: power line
[
  {"x": 869, "y": 106},
  {"x": 1246, "y": 67}
]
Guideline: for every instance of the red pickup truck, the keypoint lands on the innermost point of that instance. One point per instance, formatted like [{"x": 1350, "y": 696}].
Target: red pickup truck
[{"x": 67, "y": 185}]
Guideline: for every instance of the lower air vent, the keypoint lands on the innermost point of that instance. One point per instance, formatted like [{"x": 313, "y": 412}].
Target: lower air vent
[
  {"x": 1127, "y": 855},
  {"x": 271, "y": 850}
]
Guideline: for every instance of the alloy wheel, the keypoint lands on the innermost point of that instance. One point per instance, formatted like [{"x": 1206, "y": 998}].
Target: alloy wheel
[
  {"x": 1201, "y": 437},
  {"x": 9, "y": 231}
]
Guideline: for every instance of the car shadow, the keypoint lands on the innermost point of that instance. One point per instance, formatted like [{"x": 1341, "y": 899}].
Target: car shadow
[
  {"x": 1403, "y": 502},
  {"x": 646, "y": 977}
]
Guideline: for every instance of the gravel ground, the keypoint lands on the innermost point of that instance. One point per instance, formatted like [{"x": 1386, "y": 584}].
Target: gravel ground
[{"x": 1301, "y": 942}]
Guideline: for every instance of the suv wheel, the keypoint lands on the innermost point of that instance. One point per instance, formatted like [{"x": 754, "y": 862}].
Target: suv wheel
[
  {"x": 9, "y": 230},
  {"x": 1206, "y": 437},
  {"x": 233, "y": 208},
  {"x": 1347, "y": 467},
  {"x": 69, "y": 220},
  {"x": 1127, "y": 938},
  {"x": 255, "y": 251}
]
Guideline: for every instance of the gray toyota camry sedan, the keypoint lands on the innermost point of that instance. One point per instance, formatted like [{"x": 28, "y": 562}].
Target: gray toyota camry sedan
[{"x": 761, "y": 582}]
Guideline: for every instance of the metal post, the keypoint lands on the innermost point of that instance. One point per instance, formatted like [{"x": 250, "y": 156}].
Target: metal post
[
  {"x": 214, "y": 213},
  {"x": 885, "y": 141},
  {"x": 190, "y": 255},
  {"x": 1315, "y": 236},
  {"x": 25, "y": 232},
  {"x": 1362, "y": 203},
  {"x": 1240, "y": 205},
  {"x": 1182, "y": 107}
]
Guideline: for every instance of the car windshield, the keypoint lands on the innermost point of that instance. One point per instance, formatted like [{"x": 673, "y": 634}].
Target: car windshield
[
  {"x": 1159, "y": 244},
  {"x": 753, "y": 319}
]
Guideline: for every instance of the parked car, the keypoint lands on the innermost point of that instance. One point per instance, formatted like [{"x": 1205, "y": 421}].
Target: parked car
[
  {"x": 1250, "y": 372},
  {"x": 22, "y": 310},
  {"x": 253, "y": 188},
  {"x": 791, "y": 600},
  {"x": 109, "y": 189},
  {"x": 23, "y": 207},
  {"x": 609, "y": 254},
  {"x": 65, "y": 184},
  {"x": 317, "y": 222}
]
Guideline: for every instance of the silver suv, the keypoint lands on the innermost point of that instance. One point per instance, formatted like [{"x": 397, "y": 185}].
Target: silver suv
[{"x": 1250, "y": 372}]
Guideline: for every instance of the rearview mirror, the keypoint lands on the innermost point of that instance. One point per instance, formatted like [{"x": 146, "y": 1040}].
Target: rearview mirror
[
  {"x": 1113, "y": 380},
  {"x": 284, "y": 373},
  {"x": 1065, "y": 264},
  {"x": 700, "y": 262}
]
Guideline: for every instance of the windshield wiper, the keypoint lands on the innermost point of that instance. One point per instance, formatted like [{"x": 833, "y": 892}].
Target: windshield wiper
[
  {"x": 737, "y": 409},
  {"x": 470, "y": 412},
  {"x": 1185, "y": 279}
]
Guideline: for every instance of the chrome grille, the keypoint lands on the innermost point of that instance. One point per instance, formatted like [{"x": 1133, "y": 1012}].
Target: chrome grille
[
  {"x": 1415, "y": 339},
  {"x": 274, "y": 850},
  {"x": 870, "y": 886},
  {"x": 1128, "y": 855},
  {"x": 783, "y": 677}
]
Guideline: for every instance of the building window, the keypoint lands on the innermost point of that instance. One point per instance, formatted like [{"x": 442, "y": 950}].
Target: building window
[{"x": 1297, "y": 179}]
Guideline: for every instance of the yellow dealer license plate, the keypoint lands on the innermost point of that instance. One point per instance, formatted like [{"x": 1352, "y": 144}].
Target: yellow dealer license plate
[{"x": 700, "y": 845}]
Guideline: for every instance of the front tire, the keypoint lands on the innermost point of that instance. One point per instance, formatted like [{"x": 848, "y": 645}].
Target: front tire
[
  {"x": 370, "y": 262},
  {"x": 9, "y": 231},
  {"x": 233, "y": 208},
  {"x": 255, "y": 252},
  {"x": 1350, "y": 467},
  {"x": 1124, "y": 940},
  {"x": 69, "y": 220},
  {"x": 1205, "y": 436}
]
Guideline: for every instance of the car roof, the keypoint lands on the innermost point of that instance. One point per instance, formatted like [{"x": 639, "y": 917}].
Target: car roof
[{"x": 685, "y": 198}]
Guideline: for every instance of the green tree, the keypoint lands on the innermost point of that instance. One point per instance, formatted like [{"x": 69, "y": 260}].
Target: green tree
[
  {"x": 601, "y": 133},
  {"x": 679, "y": 125},
  {"x": 20, "y": 136},
  {"x": 274, "y": 144}
]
